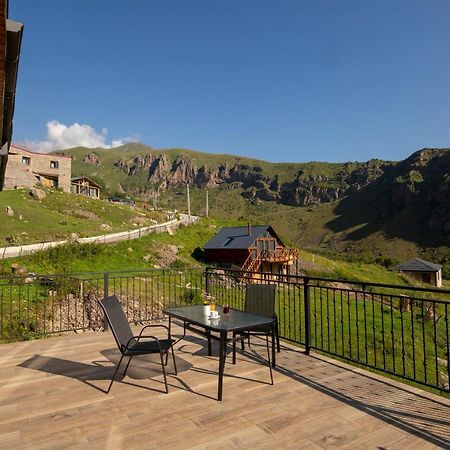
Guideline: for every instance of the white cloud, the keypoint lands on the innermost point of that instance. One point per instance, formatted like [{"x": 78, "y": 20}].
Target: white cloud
[{"x": 61, "y": 136}]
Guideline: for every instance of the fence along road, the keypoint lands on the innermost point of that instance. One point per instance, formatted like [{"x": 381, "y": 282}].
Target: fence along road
[{"x": 185, "y": 219}]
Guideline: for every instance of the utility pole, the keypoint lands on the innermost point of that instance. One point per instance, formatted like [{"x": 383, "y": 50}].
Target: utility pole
[
  {"x": 207, "y": 203},
  {"x": 155, "y": 199},
  {"x": 188, "y": 203}
]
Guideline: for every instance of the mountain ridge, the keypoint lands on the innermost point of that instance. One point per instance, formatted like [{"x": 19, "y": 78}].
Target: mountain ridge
[{"x": 387, "y": 208}]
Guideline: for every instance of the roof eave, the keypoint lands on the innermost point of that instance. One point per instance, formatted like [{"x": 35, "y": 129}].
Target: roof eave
[{"x": 14, "y": 32}]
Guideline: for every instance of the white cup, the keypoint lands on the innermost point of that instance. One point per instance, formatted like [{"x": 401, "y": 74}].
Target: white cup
[{"x": 214, "y": 313}]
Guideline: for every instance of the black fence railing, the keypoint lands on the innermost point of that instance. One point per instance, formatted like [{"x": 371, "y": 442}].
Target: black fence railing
[
  {"x": 38, "y": 305},
  {"x": 399, "y": 330}
]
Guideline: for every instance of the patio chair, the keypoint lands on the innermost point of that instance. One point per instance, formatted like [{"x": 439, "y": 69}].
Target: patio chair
[
  {"x": 260, "y": 299},
  {"x": 130, "y": 345}
]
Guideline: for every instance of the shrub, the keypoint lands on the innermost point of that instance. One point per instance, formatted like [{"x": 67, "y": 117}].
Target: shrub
[
  {"x": 178, "y": 264},
  {"x": 191, "y": 296},
  {"x": 386, "y": 261}
]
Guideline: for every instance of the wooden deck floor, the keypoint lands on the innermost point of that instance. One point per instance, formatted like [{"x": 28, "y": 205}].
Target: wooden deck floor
[{"x": 51, "y": 398}]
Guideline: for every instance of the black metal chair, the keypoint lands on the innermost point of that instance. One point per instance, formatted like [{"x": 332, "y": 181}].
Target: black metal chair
[
  {"x": 130, "y": 345},
  {"x": 260, "y": 299}
]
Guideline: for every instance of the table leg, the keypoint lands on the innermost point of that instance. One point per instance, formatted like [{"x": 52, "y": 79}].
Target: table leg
[
  {"x": 234, "y": 347},
  {"x": 273, "y": 344},
  {"x": 209, "y": 343},
  {"x": 222, "y": 355}
]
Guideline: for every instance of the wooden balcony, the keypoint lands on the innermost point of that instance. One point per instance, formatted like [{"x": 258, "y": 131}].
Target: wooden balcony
[
  {"x": 280, "y": 255},
  {"x": 52, "y": 397}
]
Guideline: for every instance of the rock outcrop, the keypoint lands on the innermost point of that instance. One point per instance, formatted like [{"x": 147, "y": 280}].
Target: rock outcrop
[
  {"x": 37, "y": 193},
  {"x": 158, "y": 170},
  {"x": 419, "y": 178},
  {"x": 301, "y": 191},
  {"x": 91, "y": 158}
]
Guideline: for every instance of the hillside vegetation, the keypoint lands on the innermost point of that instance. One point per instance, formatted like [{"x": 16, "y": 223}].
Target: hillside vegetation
[
  {"x": 179, "y": 250},
  {"x": 371, "y": 211},
  {"x": 60, "y": 214}
]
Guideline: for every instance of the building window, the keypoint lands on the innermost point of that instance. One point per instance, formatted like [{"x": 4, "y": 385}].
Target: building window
[
  {"x": 54, "y": 164},
  {"x": 228, "y": 241},
  {"x": 26, "y": 160},
  {"x": 93, "y": 192}
]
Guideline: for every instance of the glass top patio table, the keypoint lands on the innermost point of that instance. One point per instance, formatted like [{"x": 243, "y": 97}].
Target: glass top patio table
[{"x": 234, "y": 322}]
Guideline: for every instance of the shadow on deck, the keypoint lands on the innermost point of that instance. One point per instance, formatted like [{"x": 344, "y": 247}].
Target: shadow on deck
[{"x": 57, "y": 384}]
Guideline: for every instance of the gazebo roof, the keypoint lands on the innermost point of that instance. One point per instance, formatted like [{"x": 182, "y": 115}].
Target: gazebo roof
[
  {"x": 418, "y": 265},
  {"x": 91, "y": 182}
]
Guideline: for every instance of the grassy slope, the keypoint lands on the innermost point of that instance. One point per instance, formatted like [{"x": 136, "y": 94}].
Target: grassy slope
[
  {"x": 352, "y": 226},
  {"x": 125, "y": 255},
  {"x": 323, "y": 228},
  {"x": 59, "y": 214},
  {"x": 130, "y": 255}
]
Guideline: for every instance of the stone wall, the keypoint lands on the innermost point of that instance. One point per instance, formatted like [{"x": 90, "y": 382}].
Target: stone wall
[{"x": 21, "y": 175}]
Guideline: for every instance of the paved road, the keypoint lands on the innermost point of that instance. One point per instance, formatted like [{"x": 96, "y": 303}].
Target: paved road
[{"x": 11, "y": 252}]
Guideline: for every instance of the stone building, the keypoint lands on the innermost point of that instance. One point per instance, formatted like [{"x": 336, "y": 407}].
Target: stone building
[{"x": 25, "y": 169}]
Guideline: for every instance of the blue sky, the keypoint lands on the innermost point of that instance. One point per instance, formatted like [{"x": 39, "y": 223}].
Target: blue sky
[{"x": 276, "y": 80}]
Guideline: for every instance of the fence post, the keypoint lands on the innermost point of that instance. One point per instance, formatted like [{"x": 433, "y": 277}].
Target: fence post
[
  {"x": 307, "y": 315},
  {"x": 207, "y": 280},
  {"x": 106, "y": 294}
]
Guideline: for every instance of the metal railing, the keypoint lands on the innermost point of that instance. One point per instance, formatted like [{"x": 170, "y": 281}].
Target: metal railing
[
  {"x": 38, "y": 305},
  {"x": 399, "y": 330}
]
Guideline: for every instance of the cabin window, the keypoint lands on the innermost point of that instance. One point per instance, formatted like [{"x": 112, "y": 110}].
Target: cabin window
[
  {"x": 26, "y": 160},
  {"x": 54, "y": 164},
  {"x": 260, "y": 246},
  {"x": 228, "y": 242},
  {"x": 266, "y": 245}
]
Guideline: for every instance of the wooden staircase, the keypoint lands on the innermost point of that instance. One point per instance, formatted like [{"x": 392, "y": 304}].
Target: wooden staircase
[
  {"x": 280, "y": 255},
  {"x": 251, "y": 265}
]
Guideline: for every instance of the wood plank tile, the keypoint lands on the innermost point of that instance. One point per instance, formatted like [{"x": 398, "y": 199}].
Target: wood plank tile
[{"x": 50, "y": 397}]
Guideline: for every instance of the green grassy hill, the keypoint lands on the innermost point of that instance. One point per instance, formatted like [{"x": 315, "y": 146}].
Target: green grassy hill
[
  {"x": 369, "y": 211},
  {"x": 362, "y": 238},
  {"x": 179, "y": 250},
  {"x": 60, "y": 214}
]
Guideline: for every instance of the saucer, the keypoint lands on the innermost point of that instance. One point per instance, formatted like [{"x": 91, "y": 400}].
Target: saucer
[{"x": 213, "y": 317}]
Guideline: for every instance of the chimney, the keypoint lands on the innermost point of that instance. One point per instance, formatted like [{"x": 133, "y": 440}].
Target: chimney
[{"x": 249, "y": 229}]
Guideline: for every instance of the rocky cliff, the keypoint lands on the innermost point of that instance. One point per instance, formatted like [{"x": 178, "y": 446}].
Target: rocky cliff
[
  {"x": 409, "y": 199},
  {"x": 304, "y": 189},
  {"x": 421, "y": 181}
]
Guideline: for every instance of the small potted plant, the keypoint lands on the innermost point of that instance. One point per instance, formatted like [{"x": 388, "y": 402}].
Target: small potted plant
[{"x": 206, "y": 304}]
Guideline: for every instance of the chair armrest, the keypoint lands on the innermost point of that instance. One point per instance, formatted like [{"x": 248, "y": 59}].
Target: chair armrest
[{"x": 154, "y": 326}]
